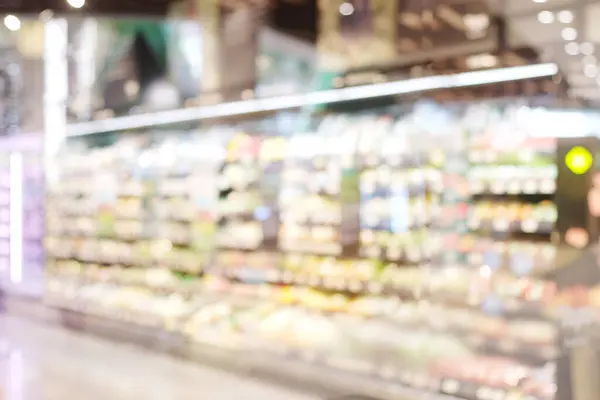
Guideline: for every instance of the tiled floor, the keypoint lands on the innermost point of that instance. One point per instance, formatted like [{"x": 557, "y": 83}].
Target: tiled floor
[{"x": 39, "y": 362}]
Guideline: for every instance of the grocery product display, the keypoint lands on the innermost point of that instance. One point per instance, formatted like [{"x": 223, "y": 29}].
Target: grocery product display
[
  {"x": 319, "y": 193},
  {"x": 128, "y": 214},
  {"x": 512, "y": 184},
  {"x": 418, "y": 344},
  {"x": 400, "y": 195},
  {"x": 372, "y": 245}
]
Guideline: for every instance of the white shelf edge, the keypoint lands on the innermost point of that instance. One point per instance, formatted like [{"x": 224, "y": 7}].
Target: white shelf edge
[{"x": 314, "y": 98}]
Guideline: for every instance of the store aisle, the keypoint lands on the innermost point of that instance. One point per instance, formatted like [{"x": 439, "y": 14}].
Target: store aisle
[{"x": 39, "y": 362}]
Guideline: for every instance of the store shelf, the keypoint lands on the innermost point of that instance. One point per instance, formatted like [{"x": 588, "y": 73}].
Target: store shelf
[{"x": 322, "y": 97}]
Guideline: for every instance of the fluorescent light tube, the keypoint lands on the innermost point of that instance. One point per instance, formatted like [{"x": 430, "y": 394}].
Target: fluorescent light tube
[
  {"x": 16, "y": 217},
  {"x": 322, "y": 97}
]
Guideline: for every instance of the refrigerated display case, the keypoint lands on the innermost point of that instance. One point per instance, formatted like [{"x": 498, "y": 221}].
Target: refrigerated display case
[{"x": 411, "y": 258}]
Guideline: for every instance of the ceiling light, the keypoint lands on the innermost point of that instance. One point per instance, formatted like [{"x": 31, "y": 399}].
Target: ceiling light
[
  {"x": 46, "y": 15},
  {"x": 572, "y": 48},
  {"x": 131, "y": 88},
  {"x": 591, "y": 70},
  {"x": 586, "y": 48},
  {"x": 546, "y": 17},
  {"x": 566, "y": 16},
  {"x": 264, "y": 62},
  {"x": 346, "y": 9},
  {"x": 480, "y": 61},
  {"x": 161, "y": 95},
  {"x": 477, "y": 25},
  {"x": 569, "y": 33},
  {"x": 76, "y": 3},
  {"x": 12, "y": 23},
  {"x": 540, "y": 1}
]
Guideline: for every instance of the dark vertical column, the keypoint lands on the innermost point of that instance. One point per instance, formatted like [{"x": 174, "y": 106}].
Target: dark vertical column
[
  {"x": 577, "y": 268},
  {"x": 298, "y": 19},
  {"x": 229, "y": 46}
]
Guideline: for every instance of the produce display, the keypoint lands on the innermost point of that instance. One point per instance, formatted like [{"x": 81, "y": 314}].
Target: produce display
[
  {"x": 355, "y": 247},
  {"x": 400, "y": 196},
  {"x": 133, "y": 227},
  {"x": 310, "y": 198},
  {"x": 415, "y": 344}
]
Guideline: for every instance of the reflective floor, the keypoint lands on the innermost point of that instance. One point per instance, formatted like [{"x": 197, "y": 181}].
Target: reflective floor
[{"x": 39, "y": 362}]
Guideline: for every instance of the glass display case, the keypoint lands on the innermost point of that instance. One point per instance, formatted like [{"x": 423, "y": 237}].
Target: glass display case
[{"x": 420, "y": 248}]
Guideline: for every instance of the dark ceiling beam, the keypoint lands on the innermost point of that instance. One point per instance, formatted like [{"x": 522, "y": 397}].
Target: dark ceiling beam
[
  {"x": 92, "y": 7},
  {"x": 300, "y": 10}
]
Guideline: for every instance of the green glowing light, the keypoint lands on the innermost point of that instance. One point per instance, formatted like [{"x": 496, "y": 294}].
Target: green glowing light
[{"x": 579, "y": 160}]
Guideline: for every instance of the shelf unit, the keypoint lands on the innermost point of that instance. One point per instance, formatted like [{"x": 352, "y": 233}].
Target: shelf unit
[{"x": 252, "y": 268}]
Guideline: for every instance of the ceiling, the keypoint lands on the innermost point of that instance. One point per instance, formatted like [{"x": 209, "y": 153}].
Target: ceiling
[
  {"x": 446, "y": 36},
  {"x": 563, "y": 31},
  {"x": 440, "y": 34}
]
